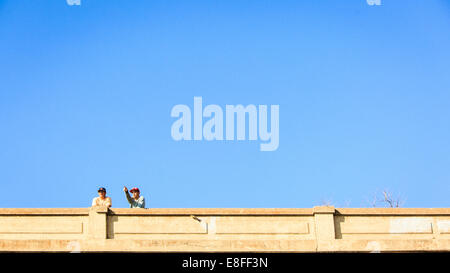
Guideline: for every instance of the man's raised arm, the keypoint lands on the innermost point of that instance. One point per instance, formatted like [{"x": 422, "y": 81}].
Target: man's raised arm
[{"x": 127, "y": 195}]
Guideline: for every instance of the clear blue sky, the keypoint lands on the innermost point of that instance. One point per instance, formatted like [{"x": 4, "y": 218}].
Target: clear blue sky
[{"x": 86, "y": 93}]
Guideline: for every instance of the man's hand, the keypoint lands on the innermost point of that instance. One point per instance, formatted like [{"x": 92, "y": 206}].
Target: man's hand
[{"x": 125, "y": 189}]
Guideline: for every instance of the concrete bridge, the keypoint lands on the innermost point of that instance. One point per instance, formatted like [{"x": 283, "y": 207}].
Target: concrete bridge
[{"x": 318, "y": 229}]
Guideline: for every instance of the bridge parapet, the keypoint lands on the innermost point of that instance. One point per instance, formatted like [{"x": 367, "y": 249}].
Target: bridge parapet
[{"x": 318, "y": 229}]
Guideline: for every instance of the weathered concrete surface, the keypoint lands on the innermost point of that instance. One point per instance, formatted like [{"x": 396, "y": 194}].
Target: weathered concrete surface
[{"x": 320, "y": 229}]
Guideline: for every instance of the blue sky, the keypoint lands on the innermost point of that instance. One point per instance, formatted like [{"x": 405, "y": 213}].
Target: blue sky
[{"x": 86, "y": 93}]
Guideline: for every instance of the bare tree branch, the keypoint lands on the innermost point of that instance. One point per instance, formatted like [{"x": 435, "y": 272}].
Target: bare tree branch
[{"x": 390, "y": 200}]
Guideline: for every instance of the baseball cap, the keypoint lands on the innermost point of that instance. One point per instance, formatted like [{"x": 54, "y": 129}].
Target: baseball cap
[
  {"x": 101, "y": 189},
  {"x": 134, "y": 189}
]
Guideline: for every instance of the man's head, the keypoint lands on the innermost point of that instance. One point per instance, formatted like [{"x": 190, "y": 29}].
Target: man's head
[
  {"x": 102, "y": 192},
  {"x": 135, "y": 192}
]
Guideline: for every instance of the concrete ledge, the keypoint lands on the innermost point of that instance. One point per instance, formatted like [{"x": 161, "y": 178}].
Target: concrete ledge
[
  {"x": 212, "y": 211},
  {"x": 44, "y": 211},
  {"x": 318, "y": 229},
  {"x": 230, "y": 211},
  {"x": 323, "y": 209},
  {"x": 393, "y": 211}
]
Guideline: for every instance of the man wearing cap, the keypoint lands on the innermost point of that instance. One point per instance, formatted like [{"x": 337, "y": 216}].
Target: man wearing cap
[
  {"x": 102, "y": 199},
  {"x": 136, "y": 201}
]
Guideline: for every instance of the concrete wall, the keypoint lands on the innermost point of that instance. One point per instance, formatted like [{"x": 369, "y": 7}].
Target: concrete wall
[{"x": 208, "y": 230}]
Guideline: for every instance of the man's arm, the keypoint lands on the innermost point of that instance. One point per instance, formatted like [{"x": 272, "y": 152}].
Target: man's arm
[
  {"x": 130, "y": 200},
  {"x": 108, "y": 202},
  {"x": 94, "y": 202}
]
